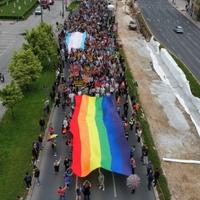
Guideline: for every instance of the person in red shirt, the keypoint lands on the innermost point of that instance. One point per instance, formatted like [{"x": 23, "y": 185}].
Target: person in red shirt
[{"x": 61, "y": 192}]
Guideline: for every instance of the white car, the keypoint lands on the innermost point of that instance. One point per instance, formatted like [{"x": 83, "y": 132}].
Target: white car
[
  {"x": 38, "y": 10},
  {"x": 178, "y": 29}
]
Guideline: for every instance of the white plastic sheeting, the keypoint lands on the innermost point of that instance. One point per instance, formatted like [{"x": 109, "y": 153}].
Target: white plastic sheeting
[
  {"x": 182, "y": 161},
  {"x": 170, "y": 73}
]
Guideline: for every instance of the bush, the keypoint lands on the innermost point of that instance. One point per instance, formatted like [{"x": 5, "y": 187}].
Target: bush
[
  {"x": 73, "y": 6},
  {"x": 143, "y": 26}
]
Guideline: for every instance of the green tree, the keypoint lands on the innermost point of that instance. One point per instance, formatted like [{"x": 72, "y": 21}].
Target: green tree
[
  {"x": 25, "y": 67},
  {"x": 41, "y": 40},
  {"x": 10, "y": 95}
]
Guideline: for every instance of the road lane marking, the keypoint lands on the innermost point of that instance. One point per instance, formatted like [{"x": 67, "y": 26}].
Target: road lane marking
[
  {"x": 76, "y": 185},
  {"x": 114, "y": 186}
]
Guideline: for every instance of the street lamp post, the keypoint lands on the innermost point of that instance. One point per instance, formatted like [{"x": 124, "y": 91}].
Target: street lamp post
[
  {"x": 41, "y": 11},
  {"x": 62, "y": 8}
]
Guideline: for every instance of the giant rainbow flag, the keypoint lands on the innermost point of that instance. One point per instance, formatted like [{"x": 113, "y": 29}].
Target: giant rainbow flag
[{"x": 98, "y": 137}]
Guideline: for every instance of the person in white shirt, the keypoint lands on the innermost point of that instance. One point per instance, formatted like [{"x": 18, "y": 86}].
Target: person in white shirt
[
  {"x": 65, "y": 123},
  {"x": 79, "y": 93},
  {"x": 102, "y": 90}
]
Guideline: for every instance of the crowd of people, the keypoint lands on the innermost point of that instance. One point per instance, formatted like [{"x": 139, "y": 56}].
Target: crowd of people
[{"x": 96, "y": 70}]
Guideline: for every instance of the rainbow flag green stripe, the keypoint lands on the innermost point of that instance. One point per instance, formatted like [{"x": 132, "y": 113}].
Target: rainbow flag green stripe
[
  {"x": 98, "y": 137},
  {"x": 104, "y": 143}
]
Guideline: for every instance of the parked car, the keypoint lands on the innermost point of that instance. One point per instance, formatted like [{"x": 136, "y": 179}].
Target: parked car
[
  {"x": 51, "y": 2},
  {"x": 132, "y": 25},
  {"x": 38, "y": 11},
  {"x": 178, "y": 29}
]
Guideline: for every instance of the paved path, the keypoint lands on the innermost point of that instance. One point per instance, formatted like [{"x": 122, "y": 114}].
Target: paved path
[
  {"x": 11, "y": 38},
  {"x": 162, "y": 17}
]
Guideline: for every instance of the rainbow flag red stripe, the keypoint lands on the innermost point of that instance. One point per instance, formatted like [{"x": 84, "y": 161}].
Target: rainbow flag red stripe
[{"x": 98, "y": 137}]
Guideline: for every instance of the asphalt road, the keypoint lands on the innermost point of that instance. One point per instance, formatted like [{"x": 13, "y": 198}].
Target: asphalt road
[
  {"x": 115, "y": 184},
  {"x": 162, "y": 17},
  {"x": 11, "y": 38}
]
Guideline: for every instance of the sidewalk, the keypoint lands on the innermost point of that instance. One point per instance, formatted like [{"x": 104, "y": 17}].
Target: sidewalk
[{"x": 180, "y": 6}]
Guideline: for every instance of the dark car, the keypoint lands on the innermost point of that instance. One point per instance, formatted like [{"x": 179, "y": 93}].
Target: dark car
[
  {"x": 132, "y": 25},
  {"x": 178, "y": 29}
]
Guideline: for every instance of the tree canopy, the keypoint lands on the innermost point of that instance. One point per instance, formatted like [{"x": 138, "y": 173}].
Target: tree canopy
[
  {"x": 43, "y": 44},
  {"x": 25, "y": 67},
  {"x": 10, "y": 95}
]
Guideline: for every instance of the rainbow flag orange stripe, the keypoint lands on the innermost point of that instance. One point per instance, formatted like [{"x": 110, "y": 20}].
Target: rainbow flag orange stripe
[{"x": 98, "y": 137}]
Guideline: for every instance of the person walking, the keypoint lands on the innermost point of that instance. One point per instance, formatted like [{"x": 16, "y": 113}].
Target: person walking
[
  {"x": 42, "y": 124},
  {"x": 51, "y": 130},
  {"x": 27, "y": 180},
  {"x": 40, "y": 141},
  {"x": 86, "y": 189},
  {"x": 132, "y": 151},
  {"x": 61, "y": 192},
  {"x": 101, "y": 181},
  {"x": 35, "y": 153},
  {"x": 56, "y": 165},
  {"x": 46, "y": 107},
  {"x": 149, "y": 167},
  {"x": 78, "y": 193},
  {"x": 145, "y": 156},
  {"x": 150, "y": 179},
  {"x": 53, "y": 146},
  {"x": 36, "y": 173},
  {"x": 131, "y": 122},
  {"x": 66, "y": 163},
  {"x": 133, "y": 164},
  {"x": 139, "y": 134},
  {"x": 67, "y": 179},
  {"x": 57, "y": 101}
]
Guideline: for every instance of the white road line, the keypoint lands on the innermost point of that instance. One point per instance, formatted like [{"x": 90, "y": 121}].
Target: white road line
[
  {"x": 114, "y": 186},
  {"x": 76, "y": 185}
]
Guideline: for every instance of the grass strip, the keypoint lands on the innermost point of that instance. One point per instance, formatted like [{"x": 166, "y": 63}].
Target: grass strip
[
  {"x": 144, "y": 29},
  {"x": 162, "y": 187},
  {"x": 17, "y": 135},
  {"x": 193, "y": 82},
  {"x": 20, "y": 9}
]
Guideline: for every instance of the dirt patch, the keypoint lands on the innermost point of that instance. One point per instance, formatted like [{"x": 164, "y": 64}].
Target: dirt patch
[{"x": 170, "y": 141}]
